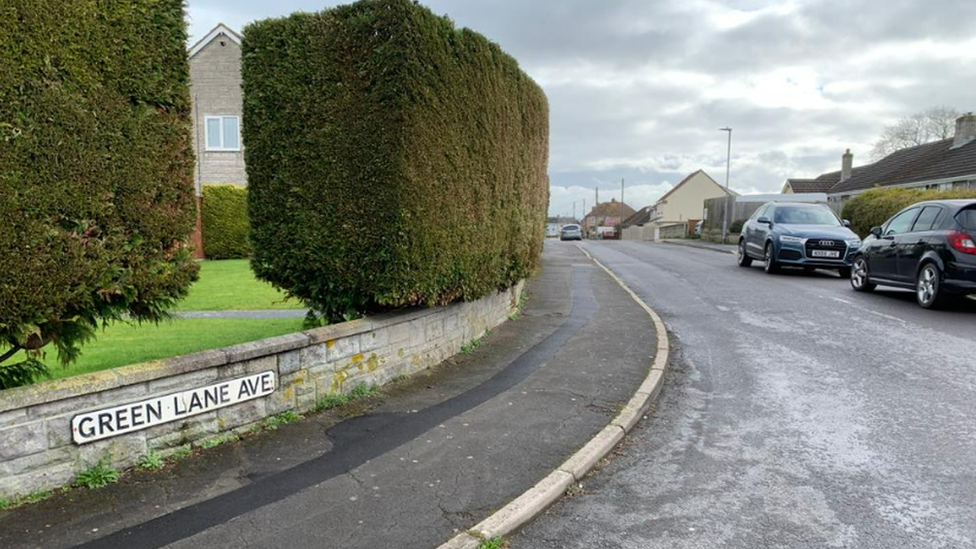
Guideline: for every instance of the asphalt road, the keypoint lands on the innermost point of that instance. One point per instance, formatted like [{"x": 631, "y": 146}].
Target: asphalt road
[
  {"x": 432, "y": 456},
  {"x": 796, "y": 414}
]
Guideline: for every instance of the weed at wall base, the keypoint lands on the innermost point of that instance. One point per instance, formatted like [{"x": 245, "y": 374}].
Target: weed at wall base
[{"x": 99, "y": 475}]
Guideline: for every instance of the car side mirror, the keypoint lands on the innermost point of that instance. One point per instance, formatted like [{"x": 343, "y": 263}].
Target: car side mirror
[
  {"x": 764, "y": 220},
  {"x": 846, "y": 223},
  {"x": 876, "y": 231}
]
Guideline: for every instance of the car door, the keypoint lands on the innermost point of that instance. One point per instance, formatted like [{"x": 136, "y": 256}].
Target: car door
[
  {"x": 883, "y": 263},
  {"x": 913, "y": 244},
  {"x": 761, "y": 231},
  {"x": 750, "y": 232}
]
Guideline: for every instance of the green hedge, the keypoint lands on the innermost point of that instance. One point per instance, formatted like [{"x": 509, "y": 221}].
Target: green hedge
[
  {"x": 96, "y": 169},
  {"x": 872, "y": 208},
  {"x": 392, "y": 159},
  {"x": 225, "y": 224}
]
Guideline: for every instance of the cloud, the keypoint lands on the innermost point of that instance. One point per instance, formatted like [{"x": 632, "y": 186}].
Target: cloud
[{"x": 638, "y": 89}]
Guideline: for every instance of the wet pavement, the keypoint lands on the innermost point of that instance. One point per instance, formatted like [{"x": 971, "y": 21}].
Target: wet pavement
[{"x": 796, "y": 413}]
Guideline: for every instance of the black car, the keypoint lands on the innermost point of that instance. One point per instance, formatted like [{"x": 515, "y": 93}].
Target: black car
[{"x": 927, "y": 247}]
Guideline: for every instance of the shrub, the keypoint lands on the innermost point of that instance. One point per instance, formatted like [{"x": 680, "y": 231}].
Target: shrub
[
  {"x": 872, "y": 208},
  {"x": 225, "y": 224},
  {"x": 736, "y": 226},
  {"x": 96, "y": 171},
  {"x": 392, "y": 159}
]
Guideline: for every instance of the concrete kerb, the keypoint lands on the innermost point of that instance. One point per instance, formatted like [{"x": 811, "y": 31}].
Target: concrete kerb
[{"x": 537, "y": 499}]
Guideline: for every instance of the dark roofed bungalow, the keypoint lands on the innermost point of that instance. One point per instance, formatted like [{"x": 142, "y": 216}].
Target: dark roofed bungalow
[{"x": 946, "y": 164}]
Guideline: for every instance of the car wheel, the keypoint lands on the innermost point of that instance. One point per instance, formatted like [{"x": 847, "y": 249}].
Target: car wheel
[
  {"x": 769, "y": 263},
  {"x": 859, "y": 276},
  {"x": 845, "y": 272},
  {"x": 928, "y": 287},
  {"x": 742, "y": 258}
]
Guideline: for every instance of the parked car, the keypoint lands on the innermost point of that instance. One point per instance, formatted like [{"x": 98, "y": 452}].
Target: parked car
[
  {"x": 571, "y": 232},
  {"x": 927, "y": 247},
  {"x": 797, "y": 234}
]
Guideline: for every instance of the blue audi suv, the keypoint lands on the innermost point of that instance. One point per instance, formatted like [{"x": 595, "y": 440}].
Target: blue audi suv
[{"x": 797, "y": 235}]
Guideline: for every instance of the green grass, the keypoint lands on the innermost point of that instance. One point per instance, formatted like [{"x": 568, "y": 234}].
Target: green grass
[
  {"x": 128, "y": 343},
  {"x": 284, "y": 418},
  {"x": 229, "y": 285},
  {"x": 96, "y": 476},
  {"x": 334, "y": 400},
  {"x": 151, "y": 461}
]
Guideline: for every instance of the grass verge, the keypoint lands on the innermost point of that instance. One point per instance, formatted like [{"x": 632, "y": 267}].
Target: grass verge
[
  {"x": 125, "y": 343},
  {"x": 229, "y": 285}
]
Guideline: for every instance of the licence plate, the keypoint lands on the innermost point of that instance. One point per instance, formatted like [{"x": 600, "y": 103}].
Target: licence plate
[{"x": 825, "y": 253}]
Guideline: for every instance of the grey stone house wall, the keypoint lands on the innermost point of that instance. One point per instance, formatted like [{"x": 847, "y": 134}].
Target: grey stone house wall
[{"x": 215, "y": 89}]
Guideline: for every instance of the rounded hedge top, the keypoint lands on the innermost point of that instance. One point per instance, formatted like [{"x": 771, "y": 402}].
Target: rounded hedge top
[{"x": 392, "y": 159}]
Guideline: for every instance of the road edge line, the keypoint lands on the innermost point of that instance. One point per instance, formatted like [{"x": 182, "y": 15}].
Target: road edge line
[
  {"x": 551, "y": 488},
  {"x": 709, "y": 248}
]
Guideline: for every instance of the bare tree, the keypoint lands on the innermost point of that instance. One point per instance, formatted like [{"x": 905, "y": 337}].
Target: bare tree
[{"x": 920, "y": 128}]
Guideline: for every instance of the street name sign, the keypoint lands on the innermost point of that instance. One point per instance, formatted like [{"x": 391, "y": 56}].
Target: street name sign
[{"x": 119, "y": 420}]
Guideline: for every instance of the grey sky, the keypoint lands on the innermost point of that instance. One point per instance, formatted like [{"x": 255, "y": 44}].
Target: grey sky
[{"x": 638, "y": 88}]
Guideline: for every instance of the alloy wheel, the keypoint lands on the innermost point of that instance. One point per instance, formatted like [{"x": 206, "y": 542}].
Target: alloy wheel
[
  {"x": 928, "y": 286},
  {"x": 859, "y": 276}
]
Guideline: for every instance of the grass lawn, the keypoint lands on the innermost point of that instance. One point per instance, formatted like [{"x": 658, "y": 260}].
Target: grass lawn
[
  {"x": 124, "y": 343},
  {"x": 229, "y": 285}
]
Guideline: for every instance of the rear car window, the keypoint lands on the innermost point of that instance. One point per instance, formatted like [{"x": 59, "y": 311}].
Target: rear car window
[
  {"x": 570, "y": 227},
  {"x": 928, "y": 218},
  {"x": 967, "y": 218}
]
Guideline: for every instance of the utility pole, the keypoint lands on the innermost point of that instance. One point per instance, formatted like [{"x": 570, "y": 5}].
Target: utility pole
[
  {"x": 621, "y": 235},
  {"x": 574, "y": 209},
  {"x": 728, "y": 169}
]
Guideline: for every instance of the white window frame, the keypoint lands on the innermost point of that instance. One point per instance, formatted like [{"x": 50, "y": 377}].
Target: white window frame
[{"x": 206, "y": 133}]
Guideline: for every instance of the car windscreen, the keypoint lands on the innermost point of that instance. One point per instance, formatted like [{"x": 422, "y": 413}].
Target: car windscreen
[
  {"x": 967, "y": 218},
  {"x": 805, "y": 215},
  {"x": 570, "y": 227}
]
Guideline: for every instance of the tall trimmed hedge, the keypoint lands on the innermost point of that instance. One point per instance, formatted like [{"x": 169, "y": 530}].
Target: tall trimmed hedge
[
  {"x": 872, "y": 208},
  {"x": 392, "y": 159},
  {"x": 96, "y": 192},
  {"x": 225, "y": 224}
]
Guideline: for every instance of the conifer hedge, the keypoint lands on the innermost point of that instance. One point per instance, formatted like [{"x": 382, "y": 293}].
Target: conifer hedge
[
  {"x": 96, "y": 192},
  {"x": 874, "y": 207},
  {"x": 225, "y": 225},
  {"x": 392, "y": 159}
]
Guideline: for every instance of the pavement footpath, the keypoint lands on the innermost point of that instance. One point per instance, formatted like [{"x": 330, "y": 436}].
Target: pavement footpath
[{"x": 432, "y": 457}]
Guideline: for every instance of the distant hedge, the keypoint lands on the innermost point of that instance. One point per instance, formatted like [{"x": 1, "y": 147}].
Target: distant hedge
[
  {"x": 874, "y": 207},
  {"x": 96, "y": 170},
  {"x": 392, "y": 159},
  {"x": 225, "y": 224}
]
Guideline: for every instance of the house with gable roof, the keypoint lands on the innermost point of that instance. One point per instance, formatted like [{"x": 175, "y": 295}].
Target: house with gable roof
[{"x": 942, "y": 165}]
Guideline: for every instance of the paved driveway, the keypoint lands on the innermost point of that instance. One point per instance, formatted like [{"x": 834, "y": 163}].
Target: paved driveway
[{"x": 796, "y": 414}]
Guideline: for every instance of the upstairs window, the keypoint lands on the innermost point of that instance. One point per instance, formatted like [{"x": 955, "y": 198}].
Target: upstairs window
[{"x": 223, "y": 133}]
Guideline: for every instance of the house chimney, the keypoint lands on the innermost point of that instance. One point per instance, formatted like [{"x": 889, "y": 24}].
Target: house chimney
[
  {"x": 846, "y": 166},
  {"x": 965, "y": 130}
]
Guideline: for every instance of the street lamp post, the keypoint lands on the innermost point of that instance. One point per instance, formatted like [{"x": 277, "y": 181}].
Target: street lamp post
[{"x": 728, "y": 169}]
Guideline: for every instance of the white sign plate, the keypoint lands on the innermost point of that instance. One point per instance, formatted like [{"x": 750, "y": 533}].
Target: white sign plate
[{"x": 111, "y": 422}]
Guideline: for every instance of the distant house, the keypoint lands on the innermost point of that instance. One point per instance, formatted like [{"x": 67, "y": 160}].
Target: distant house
[
  {"x": 686, "y": 201},
  {"x": 605, "y": 216},
  {"x": 217, "y": 106},
  {"x": 946, "y": 164},
  {"x": 215, "y": 90}
]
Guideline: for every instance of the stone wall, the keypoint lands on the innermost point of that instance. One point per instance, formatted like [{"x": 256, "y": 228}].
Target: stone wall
[{"x": 36, "y": 447}]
